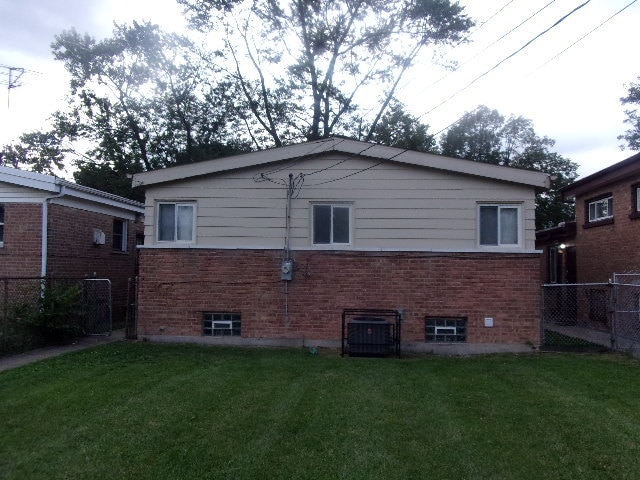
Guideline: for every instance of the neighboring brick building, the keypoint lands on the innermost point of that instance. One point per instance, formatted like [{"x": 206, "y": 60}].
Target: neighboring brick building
[
  {"x": 448, "y": 242},
  {"x": 607, "y": 221},
  {"x": 49, "y": 226},
  {"x": 558, "y": 253}
]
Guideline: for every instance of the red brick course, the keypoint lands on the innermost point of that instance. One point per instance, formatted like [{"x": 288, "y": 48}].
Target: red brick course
[
  {"x": 178, "y": 285},
  {"x": 71, "y": 251},
  {"x": 608, "y": 248},
  {"x": 21, "y": 253}
]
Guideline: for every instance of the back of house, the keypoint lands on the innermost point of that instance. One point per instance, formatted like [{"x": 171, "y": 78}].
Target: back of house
[{"x": 274, "y": 246}]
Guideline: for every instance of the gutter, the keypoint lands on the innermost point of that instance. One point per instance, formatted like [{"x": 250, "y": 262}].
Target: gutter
[{"x": 45, "y": 229}]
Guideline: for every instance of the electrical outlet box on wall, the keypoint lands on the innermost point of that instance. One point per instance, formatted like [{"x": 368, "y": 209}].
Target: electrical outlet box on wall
[
  {"x": 286, "y": 270},
  {"x": 98, "y": 237}
]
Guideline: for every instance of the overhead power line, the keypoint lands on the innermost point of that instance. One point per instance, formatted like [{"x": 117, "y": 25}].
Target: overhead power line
[
  {"x": 586, "y": 34},
  {"x": 484, "y": 74},
  {"x": 552, "y": 58}
]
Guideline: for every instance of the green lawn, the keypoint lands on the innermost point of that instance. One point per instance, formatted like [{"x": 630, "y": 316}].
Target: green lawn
[{"x": 144, "y": 411}]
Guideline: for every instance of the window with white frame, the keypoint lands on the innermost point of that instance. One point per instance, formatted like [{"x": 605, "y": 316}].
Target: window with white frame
[
  {"x": 635, "y": 202},
  {"x": 331, "y": 224},
  {"x": 600, "y": 208},
  {"x": 221, "y": 324},
  {"x": 119, "y": 235},
  {"x": 499, "y": 225},
  {"x": 1, "y": 225},
  {"x": 176, "y": 222}
]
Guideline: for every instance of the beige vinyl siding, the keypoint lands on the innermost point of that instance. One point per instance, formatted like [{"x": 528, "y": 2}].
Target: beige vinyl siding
[{"x": 394, "y": 206}]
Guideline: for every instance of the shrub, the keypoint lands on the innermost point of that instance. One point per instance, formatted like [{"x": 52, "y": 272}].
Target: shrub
[{"x": 56, "y": 317}]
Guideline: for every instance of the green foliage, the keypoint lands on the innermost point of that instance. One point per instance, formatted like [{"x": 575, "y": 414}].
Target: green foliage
[
  {"x": 632, "y": 136},
  {"x": 484, "y": 135},
  {"x": 144, "y": 411},
  {"x": 398, "y": 128},
  {"x": 55, "y": 317},
  {"x": 300, "y": 67},
  {"x": 41, "y": 152},
  {"x": 141, "y": 101}
]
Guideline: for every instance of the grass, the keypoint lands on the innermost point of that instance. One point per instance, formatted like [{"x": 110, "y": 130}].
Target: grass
[{"x": 145, "y": 411}]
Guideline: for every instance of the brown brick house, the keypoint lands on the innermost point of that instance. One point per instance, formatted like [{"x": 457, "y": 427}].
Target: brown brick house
[
  {"x": 272, "y": 246},
  {"x": 52, "y": 227},
  {"x": 607, "y": 227}
]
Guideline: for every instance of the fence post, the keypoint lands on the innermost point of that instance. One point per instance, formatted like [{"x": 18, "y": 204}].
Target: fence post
[
  {"x": 613, "y": 293},
  {"x": 5, "y": 313}
]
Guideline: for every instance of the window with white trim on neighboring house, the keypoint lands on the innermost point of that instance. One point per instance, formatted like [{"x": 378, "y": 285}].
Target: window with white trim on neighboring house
[
  {"x": 635, "y": 201},
  {"x": 119, "y": 235},
  {"x": 599, "y": 209},
  {"x": 499, "y": 225},
  {"x": 176, "y": 221},
  {"x": 331, "y": 224},
  {"x": 1, "y": 225}
]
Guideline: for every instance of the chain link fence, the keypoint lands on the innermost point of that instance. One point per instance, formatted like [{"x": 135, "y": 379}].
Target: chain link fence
[
  {"x": 592, "y": 316},
  {"x": 40, "y": 311}
]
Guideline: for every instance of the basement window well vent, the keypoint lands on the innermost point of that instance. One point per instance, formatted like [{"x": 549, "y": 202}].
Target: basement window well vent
[
  {"x": 445, "y": 329},
  {"x": 221, "y": 324}
]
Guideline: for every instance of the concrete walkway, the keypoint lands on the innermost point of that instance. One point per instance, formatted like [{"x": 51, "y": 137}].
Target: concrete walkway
[
  {"x": 599, "y": 337},
  {"x": 14, "y": 361}
]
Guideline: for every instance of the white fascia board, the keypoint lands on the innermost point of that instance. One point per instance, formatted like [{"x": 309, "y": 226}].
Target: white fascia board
[
  {"x": 38, "y": 181},
  {"x": 89, "y": 206},
  {"x": 348, "y": 147},
  {"x": 235, "y": 162},
  {"x": 102, "y": 198},
  {"x": 480, "y": 169},
  {"x": 54, "y": 185}
]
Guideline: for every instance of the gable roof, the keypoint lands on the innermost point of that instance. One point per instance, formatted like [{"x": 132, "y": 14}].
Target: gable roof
[
  {"x": 347, "y": 147},
  {"x": 55, "y": 185},
  {"x": 617, "y": 171}
]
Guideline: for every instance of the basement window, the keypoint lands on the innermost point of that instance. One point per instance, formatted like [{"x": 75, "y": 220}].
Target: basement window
[
  {"x": 445, "y": 329},
  {"x": 221, "y": 324}
]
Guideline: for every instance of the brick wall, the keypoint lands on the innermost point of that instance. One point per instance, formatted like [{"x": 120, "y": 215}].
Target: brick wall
[
  {"x": 178, "y": 285},
  {"x": 72, "y": 252},
  {"x": 20, "y": 255},
  {"x": 605, "y": 249}
]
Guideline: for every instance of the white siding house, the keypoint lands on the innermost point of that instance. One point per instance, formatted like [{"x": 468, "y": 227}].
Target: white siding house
[{"x": 335, "y": 196}]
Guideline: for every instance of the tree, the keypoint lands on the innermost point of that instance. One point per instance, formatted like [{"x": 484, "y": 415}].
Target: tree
[
  {"x": 398, "y": 128},
  {"x": 476, "y": 136},
  {"x": 38, "y": 151},
  {"x": 299, "y": 67},
  {"x": 632, "y": 136},
  {"x": 141, "y": 101},
  {"x": 485, "y": 135}
]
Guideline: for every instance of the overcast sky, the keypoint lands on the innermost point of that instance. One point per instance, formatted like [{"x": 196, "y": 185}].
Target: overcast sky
[{"x": 572, "y": 97}]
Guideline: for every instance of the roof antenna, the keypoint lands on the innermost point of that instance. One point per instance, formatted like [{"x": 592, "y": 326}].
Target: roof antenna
[{"x": 13, "y": 75}]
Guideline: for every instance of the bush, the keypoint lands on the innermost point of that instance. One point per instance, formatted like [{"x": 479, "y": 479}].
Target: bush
[{"x": 56, "y": 317}]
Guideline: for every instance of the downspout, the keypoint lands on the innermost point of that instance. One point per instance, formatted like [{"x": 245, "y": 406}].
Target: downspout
[{"x": 45, "y": 230}]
